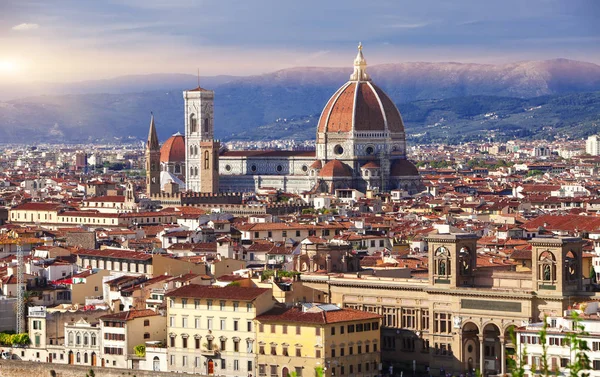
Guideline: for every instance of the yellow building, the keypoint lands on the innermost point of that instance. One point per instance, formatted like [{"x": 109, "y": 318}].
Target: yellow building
[
  {"x": 211, "y": 329},
  {"x": 343, "y": 342}
]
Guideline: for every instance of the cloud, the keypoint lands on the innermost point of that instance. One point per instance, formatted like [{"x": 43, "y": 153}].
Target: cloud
[
  {"x": 25, "y": 27},
  {"x": 409, "y": 25}
]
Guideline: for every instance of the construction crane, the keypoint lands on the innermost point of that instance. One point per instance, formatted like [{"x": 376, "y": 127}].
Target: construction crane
[{"x": 20, "y": 290}]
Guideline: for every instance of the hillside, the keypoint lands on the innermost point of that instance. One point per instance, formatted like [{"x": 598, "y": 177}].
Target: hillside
[
  {"x": 469, "y": 118},
  {"x": 445, "y": 100}
]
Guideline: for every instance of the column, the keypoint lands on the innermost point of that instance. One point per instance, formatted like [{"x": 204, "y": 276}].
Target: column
[
  {"x": 502, "y": 356},
  {"x": 481, "y": 357}
]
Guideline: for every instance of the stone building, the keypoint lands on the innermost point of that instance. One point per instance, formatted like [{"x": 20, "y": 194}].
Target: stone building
[
  {"x": 343, "y": 342},
  {"x": 360, "y": 144},
  {"x": 458, "y": 318},
  {"x": 211, "y": 329}
]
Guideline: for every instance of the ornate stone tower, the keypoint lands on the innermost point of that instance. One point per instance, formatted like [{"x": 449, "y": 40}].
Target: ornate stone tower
[
  {"x": 452, "y": 259},
  {"x": 556, "y": 265},
  {"x": 152, "y": 161},
  {"x": 199, "y": 129}
]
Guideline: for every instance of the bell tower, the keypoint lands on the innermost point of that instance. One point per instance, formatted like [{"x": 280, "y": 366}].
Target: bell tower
[
  {"x": 199, "y": 130},
  {"x": 452, "y": 259},
  {"x": 152, "y": 161},
  {"x": 556, "y": 265}
]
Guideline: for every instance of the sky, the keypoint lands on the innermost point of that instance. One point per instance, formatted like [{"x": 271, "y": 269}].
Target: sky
[{"x": 74, "y": 40}]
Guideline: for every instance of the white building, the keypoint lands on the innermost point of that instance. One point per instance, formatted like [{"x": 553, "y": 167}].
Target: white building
[
  {"x": 592, "y": 145},
  {"x": 558, "y": 351}
]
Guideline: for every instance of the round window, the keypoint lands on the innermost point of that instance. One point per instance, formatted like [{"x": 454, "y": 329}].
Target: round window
[
  {"x": 338, "y": 149},
  {"x": 304, "y": 168},
  {"x": 253, "y": 168},
  {"x": 228, "y": 167},
  {"x": 279, "y": 168},
  {"x": 370, "y": 150}
]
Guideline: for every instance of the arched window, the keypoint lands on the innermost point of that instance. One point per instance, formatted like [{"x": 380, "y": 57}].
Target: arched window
[
  {"x": 196, "y": 172},
  {"x": 547, "y": 268},
  {"x": 195, "y": 150},
  {"x": 571, "y": 266},
  {"x": 205, "y": 125},
  {"x": 78, "y": 339},
  {"x": 85, "y": 358},
  {"x": 191, "y": 171},
  {"x": 85, "y": 339},
  {"x": 464, "y": 261},
  {"x": 193, "y": 123},
  {"x": 442, "y": 263},
  {"x": 70, "y": 338},
  {"x": 93, "y": 338},
  {"x": 191, "y": 150},
  {"x": 78, "y": 357},
  {"x": 206, "y": 160}
]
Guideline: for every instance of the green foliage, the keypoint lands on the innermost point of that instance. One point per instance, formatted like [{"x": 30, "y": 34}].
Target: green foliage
[
  {"x": 234, "y": 284},
  {"x": 308, "y": 211},
  {"x": 579, "y": 348},
  {"x": 9, "y": 339},
  {"x": 543, "y": 340},
  {"x": 140, "y": 350},
  {"x": 533, "y": 173},
  {"x": 437, "y": 164},
  {"x": 319, "y": 372},
  {"x": 517, "y": 364},
  {"x": 266, "y": 274}
]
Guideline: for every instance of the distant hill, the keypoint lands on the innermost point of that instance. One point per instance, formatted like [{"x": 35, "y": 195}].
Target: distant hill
[
  {"x": 460, "y": 119},
  {"x": 245, "y": 107}
]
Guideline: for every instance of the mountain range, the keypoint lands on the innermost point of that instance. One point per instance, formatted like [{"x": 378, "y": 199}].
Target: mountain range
[{"x": 458, "y": 94}]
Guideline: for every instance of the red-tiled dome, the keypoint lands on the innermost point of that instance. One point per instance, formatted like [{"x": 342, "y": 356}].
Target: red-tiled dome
[
  {"x": 335, "y": 168},
  {"x": 173, "y": 150},
  {"x": 403, "y": 168},
  {"x": 371, "y": 165},
  {"x": 360, "y": 106},
  {"x": 316, "y": 165}
]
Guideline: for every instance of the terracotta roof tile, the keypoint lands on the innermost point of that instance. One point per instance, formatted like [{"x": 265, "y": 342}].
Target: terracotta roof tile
[
  {"x": 296, "y": 315},
  {"x": 335, "y": 168},
  {"x": 173, "y": 150}
]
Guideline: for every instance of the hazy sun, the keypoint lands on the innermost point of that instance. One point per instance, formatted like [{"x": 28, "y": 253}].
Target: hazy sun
[{"x": 8, "y": 67}]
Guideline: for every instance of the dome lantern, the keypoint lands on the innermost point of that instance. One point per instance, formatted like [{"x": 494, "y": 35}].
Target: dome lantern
[{"x": 360, "y": 67}]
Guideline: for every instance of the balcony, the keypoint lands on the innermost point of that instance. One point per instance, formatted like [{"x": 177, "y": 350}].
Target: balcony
[{"x": 206, "y": 351}]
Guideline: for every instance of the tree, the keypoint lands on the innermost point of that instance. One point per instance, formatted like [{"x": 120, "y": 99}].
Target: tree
[
  {"x": 319, "y": 372},
  {"x": 140, "y": 350},
  {"x": 579, "y": 361},
  {"x": 579, "y": 348}
]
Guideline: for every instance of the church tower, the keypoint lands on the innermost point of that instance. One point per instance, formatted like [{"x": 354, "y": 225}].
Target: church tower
[
  {"x": 201, "y": 152},
  {"x": 557, "y": 265},
  {"x": 152, "y": 161},
  {"x": 452, "y": 259}
]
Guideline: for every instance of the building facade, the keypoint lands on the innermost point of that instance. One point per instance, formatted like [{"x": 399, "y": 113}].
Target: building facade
[
  {"x": 211, "y": 329},
  {"x": 458, "y": 318},
  {"x": 340, "y": 342}
]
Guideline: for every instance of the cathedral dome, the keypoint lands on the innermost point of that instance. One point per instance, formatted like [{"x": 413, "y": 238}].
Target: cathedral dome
[
  {"x": 173, "y": 150},
  {"x": 335, "y": 168},
  {"x": 403, "y": 168},
  {"x": 359, "y": 105}
]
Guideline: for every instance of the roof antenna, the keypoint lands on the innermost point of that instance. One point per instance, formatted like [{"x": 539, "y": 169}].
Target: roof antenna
[{"x": 198, "y": 77}]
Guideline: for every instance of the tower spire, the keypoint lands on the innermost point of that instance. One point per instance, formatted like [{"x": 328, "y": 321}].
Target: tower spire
[
  {"x": 360, "y": 67},
  {"x": 152, "y": 142}
]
